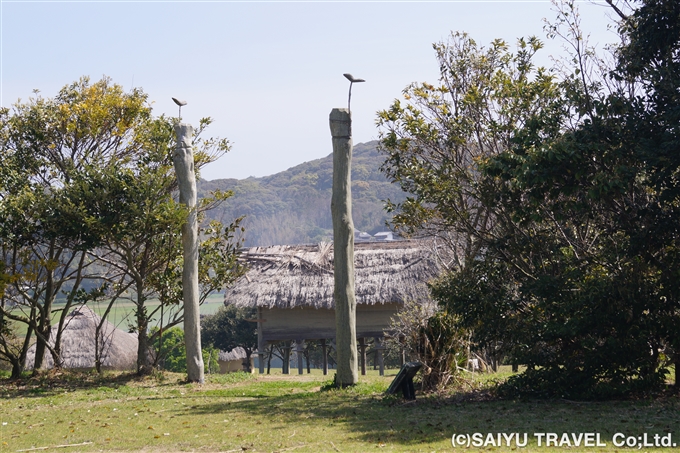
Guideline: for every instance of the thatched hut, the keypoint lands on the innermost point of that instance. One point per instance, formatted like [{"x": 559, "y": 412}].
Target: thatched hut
[
  {"x": 235, "y": 360},
  {"x": 292, "y": 288},
  {"x": 119, "y": 348}
]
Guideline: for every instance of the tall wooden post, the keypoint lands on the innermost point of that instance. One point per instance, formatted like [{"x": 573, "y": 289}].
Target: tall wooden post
[
  {"x": 183, "y": 159},
  {"x": 343, "y": 249}
]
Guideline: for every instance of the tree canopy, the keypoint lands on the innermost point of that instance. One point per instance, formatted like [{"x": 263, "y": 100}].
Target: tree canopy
[
  {"x": 575, "y": 269},
  {"x": 89, "y": 211}
]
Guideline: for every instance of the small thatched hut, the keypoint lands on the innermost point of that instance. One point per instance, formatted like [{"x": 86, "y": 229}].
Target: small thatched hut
[
  {"x": 235, "y": 360},
  {"x": 292, "y": 288},
  {"x": 119, "y": 348}
]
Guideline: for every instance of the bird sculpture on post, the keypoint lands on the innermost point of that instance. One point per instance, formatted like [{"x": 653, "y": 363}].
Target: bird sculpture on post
[
  {"x": 343, "y": 245},
  {"x": 352, "y": 80},
  {"x": 183, "y": 159},
  {"x": 180, "y": 103}
]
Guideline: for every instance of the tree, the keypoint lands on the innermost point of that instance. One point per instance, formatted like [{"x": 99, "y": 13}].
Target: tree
[
  {"x": 598, "y": 199},
  {"x": 45, "y": 238},
  {"x": 577, "y": 278},
  {"x": 171, "y": 353},
  {"x": 89, "y": 194},
  {"x": 142, "y": 238},
  {"x": 436, "y": 138},
  {"x": 229, "y": 328}
]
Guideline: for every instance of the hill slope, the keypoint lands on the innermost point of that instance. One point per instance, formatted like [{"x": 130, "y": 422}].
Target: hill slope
[{"x": 293, "y": 207}]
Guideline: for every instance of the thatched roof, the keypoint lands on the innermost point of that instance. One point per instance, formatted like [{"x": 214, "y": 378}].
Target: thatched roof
[
  {"x": 238, "y": 353},
  {"x": 119, "y": 348},
  {"x": 290, "y": 276}
]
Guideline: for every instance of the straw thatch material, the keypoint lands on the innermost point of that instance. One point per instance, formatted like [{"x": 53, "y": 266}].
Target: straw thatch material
[
  {"x": 238, "y": 353},
  {"x": 302, "y": 275},
  {"x": 119, "y": 348},
  {"x": 235, "y": 360}
]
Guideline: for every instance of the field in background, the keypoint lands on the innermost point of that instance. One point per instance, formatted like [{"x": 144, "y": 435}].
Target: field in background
[
  {"x": 122, "y": 314},
  {"x": 243, "y": 413}
]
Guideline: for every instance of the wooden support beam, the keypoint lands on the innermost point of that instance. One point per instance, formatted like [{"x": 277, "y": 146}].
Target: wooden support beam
[
  {"x": 379, "y": 348},
  {"x": 299, "y": 354},
  {"x": 285, "y": 369},
  {"x": 261, "y": 344}
]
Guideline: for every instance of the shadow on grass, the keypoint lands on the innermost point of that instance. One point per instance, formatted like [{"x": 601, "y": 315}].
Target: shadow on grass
[
  {"x": 55, "y": 382},
  {"x": 380, "y": 419}
]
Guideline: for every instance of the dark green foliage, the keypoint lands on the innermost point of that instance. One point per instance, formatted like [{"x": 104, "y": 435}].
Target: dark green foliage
[
  {"x": 577, "y": 275},
  {"x": 172, "y": 354},
  {"x": 293, "y": 207},
  {"x": 229, "y": 328}
]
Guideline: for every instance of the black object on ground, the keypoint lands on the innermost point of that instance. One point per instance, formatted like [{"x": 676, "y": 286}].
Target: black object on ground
[{"x": 404, "y": 380}]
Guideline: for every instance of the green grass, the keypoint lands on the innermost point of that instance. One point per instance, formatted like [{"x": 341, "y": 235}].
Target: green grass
[{"x": 238, "y": 412}]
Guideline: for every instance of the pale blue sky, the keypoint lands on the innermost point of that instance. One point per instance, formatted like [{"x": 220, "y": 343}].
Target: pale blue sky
[{"x": 268, "y": 73}]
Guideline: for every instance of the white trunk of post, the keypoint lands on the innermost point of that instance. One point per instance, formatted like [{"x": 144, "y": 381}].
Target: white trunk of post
[
  {"x": 186, "y": 176},
  {"x": 343, "y": 249}
]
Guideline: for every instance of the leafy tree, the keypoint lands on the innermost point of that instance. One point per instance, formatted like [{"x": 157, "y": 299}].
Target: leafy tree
[
  {"x": 89, "y": 194},
  {"x": 47, "y": 143},
  {"x": 230, "y": 328},
  {"x": 171, "y": 352},
  {"x": 577, "y": 278},
  {"x": 436, "y": 137},
  {"x": 596, "y": 199}
]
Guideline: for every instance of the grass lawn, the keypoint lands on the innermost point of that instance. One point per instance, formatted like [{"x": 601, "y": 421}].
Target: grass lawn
[{"x": 237, "y": 413}]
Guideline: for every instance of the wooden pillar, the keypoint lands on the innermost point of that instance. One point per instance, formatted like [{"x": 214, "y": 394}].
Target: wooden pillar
[
  {"x": 299, "y": 354},
  {"x": 379, "y": 348},
  {"x": 183, "y": 159},
  {"x": 362, "y": 351},
  {"x": 324, "y": 348},
  {"x": 285, "y": 368},
  {"x": 343, "y": 250},
  {"x": 269, "y": 358},
  {"x": 261, "y": 344}
]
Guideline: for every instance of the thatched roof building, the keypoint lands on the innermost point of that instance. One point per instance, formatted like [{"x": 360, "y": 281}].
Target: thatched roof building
[
  {"x": 289, "y": 276},
  {"x": 235, "y": 360},
  {"x": 119, "y": 348},
  {"x": 292, "y": 289}
]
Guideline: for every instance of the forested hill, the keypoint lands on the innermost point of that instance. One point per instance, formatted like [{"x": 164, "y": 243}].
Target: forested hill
[{"x": 293, "y": 207}]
